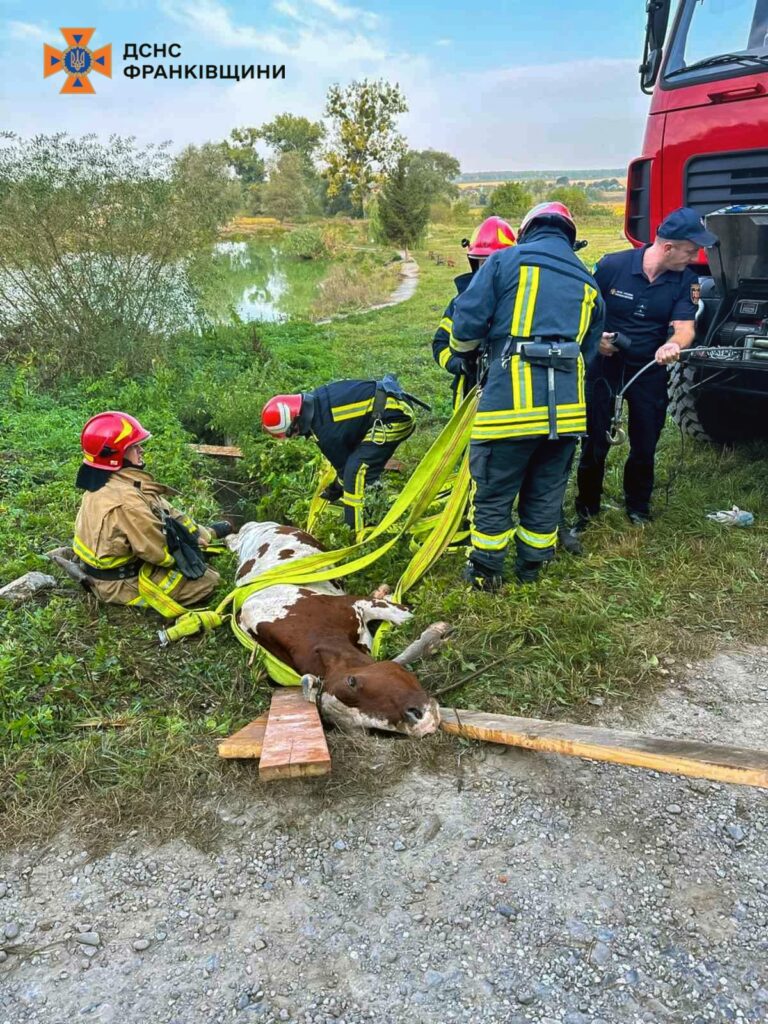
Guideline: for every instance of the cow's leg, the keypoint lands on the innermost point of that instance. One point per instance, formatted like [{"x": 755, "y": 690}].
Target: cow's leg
[{"x": 368, "y": 610}]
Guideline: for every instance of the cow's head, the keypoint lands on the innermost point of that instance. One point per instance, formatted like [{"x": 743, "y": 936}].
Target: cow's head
[{"x": 379, "y": 695}]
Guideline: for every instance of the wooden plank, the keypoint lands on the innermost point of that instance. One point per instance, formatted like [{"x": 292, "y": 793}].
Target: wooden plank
[
  {"x": 680, "y": 757},
  {"x": 246, "y": 742},
  {"x": 228, "y": 451},
  {"x": 294, "y": 741}
]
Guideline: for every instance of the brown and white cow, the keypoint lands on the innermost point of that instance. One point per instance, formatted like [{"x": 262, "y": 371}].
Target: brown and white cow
[{"x": 321, "y": 631}]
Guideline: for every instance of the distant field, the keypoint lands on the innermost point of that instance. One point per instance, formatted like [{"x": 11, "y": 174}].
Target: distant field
[{"x": 490, "y": 183}]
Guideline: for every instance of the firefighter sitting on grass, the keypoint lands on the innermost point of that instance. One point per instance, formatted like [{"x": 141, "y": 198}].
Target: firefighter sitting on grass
[
  {"x": 493, "y": 234},
  {"x": 358, "y": 424},
  {"x": 135, "y": 548}
]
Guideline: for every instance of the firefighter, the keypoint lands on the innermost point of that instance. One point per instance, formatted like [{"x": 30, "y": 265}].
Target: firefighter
[
  {"x": 357, "y": 424},
  {"x": 538, "y": 315},
  {"x": 493, "y": 234},
  {"x": 651, "y": 296},
  {"x": 135, "y": 547}
]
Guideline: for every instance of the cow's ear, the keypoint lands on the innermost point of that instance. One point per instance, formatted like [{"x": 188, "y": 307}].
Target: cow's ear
[{"x": 352, "y": 681}]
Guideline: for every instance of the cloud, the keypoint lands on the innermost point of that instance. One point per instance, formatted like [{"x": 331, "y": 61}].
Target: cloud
[
  {"x": 25, "y": 30},
  {"x": 318, "y": 45},
  {"x": 346, "y": 13}
]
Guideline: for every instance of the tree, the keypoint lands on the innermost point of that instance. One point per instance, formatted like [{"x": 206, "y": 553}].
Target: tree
[
  {"x": 439, "y": 171},
  {"x": 510, "y": 201},
  {"x": 287, "y": 133},
  {"x": 365, "y": 144},
  {"x": 403, "y": 203},
  {"x": 242, "y": 156},
  {"x": 575, "y": 199},
  {"x": 202, "y": 181},
  {"x": 288, "y": 193},
  {"x": 562, "y": 180}
]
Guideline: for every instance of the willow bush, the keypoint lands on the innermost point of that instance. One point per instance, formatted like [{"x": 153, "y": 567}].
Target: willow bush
[{"x": 93, "y": 248}]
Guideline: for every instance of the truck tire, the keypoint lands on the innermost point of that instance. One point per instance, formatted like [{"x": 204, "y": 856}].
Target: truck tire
[{"x": 683, "y": 404}]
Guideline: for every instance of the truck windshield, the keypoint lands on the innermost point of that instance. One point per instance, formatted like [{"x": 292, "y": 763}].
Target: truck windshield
[{"x": 714, "y": 37}]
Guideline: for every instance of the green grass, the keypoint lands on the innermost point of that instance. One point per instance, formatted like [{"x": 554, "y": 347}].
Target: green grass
[{"x": 97, "y": 723}]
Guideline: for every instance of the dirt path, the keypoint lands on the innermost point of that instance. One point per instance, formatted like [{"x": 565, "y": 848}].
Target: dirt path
[{"x": 492, "y": 886}]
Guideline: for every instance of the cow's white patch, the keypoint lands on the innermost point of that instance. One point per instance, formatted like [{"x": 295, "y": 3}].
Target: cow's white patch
[
  {"x": 268, "y": 605},
  {"x": 345, "y": 717},
  {"x": 262, "y": 544}
]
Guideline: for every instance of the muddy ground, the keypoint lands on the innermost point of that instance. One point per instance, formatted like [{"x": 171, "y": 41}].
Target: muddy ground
[{"x": 482, "y": 884}]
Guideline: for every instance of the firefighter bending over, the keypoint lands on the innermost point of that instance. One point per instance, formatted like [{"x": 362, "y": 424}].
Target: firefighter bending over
[
  {"x": 538, "y": 315},
  {"x": 134, "y": 546},
  {"x": 357, "y": 424},
  {"x": 493, "y": 234}
]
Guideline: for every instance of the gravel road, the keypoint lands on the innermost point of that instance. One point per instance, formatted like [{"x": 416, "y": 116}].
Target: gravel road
[{"x": 496, "y": 886}]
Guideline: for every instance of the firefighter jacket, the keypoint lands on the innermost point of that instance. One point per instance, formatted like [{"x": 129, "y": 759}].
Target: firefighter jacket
[
  {"x": 119, "y": 528},
  {"x": 536, "y": 314},
  {"x": 343, "y": 414},
  {"x": 462, "y": 368}
]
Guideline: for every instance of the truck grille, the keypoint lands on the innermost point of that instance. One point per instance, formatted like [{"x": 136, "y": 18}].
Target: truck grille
[{"x": 726, "y": 179}]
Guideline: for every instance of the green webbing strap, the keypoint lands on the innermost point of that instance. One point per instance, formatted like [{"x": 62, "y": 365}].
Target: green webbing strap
[{"x": 415, "y": 498}]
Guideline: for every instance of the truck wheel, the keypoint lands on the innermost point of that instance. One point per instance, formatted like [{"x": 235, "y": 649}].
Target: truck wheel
[{"x": 684, "y": 404}]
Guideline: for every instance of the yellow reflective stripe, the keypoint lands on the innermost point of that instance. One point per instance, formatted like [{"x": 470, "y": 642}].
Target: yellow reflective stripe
[
  {"x": 536, "y": 540},
  {"x": 528, "y": 376},
  {"x": 460, "y": 388},
  {"x": 463, "y": 346},
  {"x": 580, "y": 387},
  {"x": 489, "y": 541},
  {"x": 85, "y": 554},
  {"x": 399, "y": 405},
  {"x": 514, "y": 367},
  {"x": 517, "y": 312},
  {"x": 446, "y": 324},
  {"x": 587, "y": 305},
  {"x": 389, "y": 432},
  {"x": 351, "y": 411},
  {"x": 444, "y": 356},
  {"x": 531, "y": 302}
]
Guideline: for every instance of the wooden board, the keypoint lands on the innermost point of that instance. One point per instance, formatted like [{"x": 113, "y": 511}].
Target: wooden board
[
  {"x": 246, "y": 742},
  {"x": 680, "y": 757},
  {"x": 294, "y": 741},
  {"x": 228, "y": 451}
]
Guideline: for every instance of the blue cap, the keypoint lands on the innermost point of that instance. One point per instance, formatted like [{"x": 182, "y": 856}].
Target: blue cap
[{"x": 686, "y": 225}]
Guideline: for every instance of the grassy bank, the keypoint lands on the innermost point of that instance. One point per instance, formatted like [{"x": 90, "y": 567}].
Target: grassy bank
[{"x": 97, "y": 721}]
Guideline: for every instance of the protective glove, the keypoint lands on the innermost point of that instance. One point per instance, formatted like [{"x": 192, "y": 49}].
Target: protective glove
[
  {"x": 221, "y": 528},
  {"x": 333, "y": 491},
  {"x": 459, "y": 364}
]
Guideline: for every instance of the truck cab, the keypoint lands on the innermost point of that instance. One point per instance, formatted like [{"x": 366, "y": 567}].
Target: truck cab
[{"x": 705, "y": 65}]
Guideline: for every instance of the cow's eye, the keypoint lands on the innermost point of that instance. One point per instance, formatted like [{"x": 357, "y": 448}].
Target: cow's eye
[{"x": 352, "y": 681}]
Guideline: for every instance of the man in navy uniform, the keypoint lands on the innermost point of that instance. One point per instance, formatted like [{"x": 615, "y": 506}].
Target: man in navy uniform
[
  {"x": 538, "y": 315},
  {"x": 651, "y": 295},
  {"x": 490, "y": 236}
]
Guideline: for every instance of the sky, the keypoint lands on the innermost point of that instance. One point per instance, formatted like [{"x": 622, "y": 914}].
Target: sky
[{"x": 502, "y": 85}]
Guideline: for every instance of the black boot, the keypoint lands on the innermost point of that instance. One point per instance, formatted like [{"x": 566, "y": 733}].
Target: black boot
[
  {"x": 480, "y": 580},
  {"x": 333, "y": 491},
  {"x": 568, "y": 536},
  {"x": 527, "y": 571}
]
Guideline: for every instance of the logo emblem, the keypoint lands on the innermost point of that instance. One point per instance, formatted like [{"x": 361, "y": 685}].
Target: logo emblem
[{"x": 77, "y": 61}]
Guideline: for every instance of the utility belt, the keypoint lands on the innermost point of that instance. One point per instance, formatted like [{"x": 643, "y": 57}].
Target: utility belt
[
  {"x": 388, "y": 388},
  {"x": 551, "y": 353},
  {"x": 128, "y": 571}
]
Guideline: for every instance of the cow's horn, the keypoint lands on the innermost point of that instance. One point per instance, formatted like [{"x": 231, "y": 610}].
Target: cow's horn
[{"x": 311, "y": 687}]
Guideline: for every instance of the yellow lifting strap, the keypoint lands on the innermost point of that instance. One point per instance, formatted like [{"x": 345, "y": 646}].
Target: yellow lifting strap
[{"x": 428, "y": 479}]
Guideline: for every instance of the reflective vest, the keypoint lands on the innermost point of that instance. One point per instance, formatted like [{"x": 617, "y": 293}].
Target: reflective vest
[
  {"x": 535, "y": 292},
  {"x": 462, "y": 368}
]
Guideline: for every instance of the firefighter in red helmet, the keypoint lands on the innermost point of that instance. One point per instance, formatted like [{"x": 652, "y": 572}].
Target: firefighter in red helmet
[
  {"x": 133, "y": 545},
  {"x": 537, "y": 314},
  {"x": 358, "y": 425},
  {"x": 490, "y": 236}
]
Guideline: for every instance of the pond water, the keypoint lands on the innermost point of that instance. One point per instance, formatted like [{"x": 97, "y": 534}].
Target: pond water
[{"x": 254, "y": 280}]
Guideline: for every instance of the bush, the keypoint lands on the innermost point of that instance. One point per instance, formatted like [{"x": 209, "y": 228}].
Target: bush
[
  {"x": 305, "y": 244},
  {"x": 510, "y": 201},
  {"x": 93, "y": 247},
  {"x": 575, "y": 199}
]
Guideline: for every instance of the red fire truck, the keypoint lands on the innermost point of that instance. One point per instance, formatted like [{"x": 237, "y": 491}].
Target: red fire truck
[{"x": 706, "y": 146}]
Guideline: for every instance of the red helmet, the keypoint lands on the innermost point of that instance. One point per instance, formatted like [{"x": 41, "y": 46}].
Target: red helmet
[
  {"x": 550, "y": 213},
  {"x": 106, "y": 436},
  {"x": 493, "y": 234},
  {"x": 279, "y": 413}
]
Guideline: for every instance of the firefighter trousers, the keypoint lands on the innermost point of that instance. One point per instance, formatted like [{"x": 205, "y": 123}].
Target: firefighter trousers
[
  {"x": 363, "y": 467},
  {"x": 647, "y": 408},
  {"x": 533, "y": 469}
]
